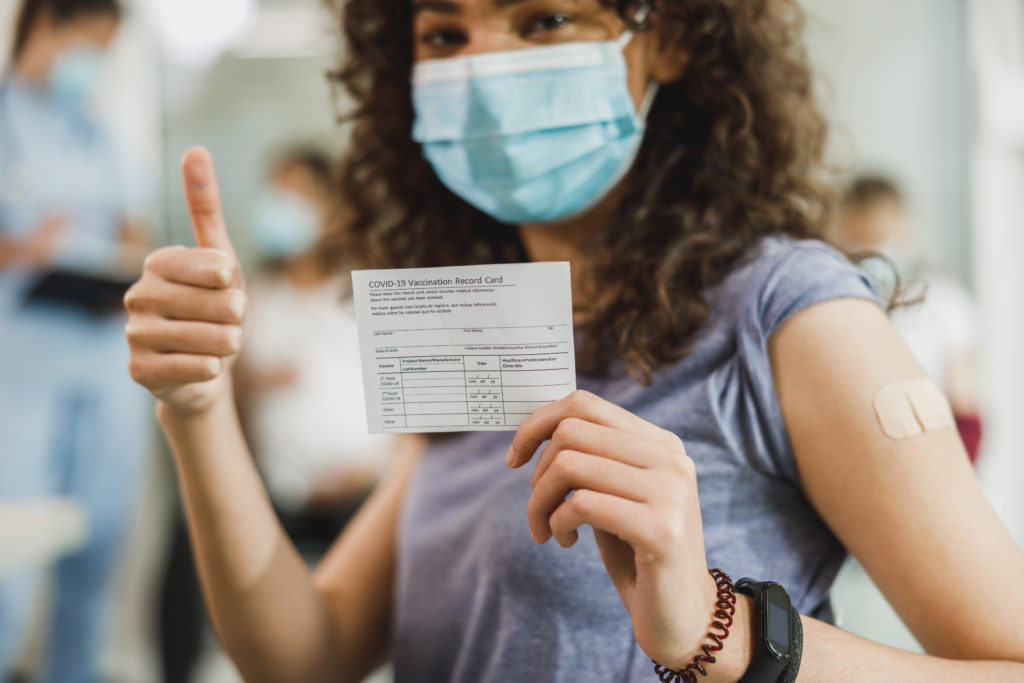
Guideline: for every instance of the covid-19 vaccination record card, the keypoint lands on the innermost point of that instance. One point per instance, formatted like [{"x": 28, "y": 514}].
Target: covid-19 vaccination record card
[{"x": 469, "y": 348}]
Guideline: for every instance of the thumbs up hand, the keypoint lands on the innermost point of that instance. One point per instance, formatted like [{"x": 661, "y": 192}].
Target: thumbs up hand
[{"x": 186, "y": 311}]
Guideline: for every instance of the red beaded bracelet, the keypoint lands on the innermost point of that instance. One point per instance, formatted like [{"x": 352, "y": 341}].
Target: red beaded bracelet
[{"x": 725, "y": 609}]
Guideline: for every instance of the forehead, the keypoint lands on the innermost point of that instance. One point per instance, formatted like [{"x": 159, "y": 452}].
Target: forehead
[
  {"x": 96, "y": 27},
  {"x": 457, "y": 7}
]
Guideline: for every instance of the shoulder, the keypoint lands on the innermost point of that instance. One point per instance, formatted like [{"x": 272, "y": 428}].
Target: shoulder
[{"x": 782, "y": 276}]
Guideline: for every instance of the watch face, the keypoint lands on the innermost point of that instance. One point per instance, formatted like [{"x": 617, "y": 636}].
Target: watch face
[
  {"x": 778, "y": 617},
  {"x": 778, "y": 627}
]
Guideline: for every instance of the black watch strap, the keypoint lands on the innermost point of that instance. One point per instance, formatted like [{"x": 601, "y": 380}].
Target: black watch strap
[
  {"x": 772, "y": 630},
  {"x": 793, "y": 668}
]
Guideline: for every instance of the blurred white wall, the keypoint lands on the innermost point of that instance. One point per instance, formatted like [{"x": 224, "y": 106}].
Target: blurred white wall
[
  {"x": 268, "y": 91},
  {"x": 997, "y": 59},
  {"x": 932, "y": 92},
  {"x": 130, "y": 107},
  {"x": 894, "y": 86}
]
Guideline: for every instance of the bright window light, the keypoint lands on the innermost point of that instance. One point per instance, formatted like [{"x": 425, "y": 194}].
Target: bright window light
[{"x": 196, "y": 32}]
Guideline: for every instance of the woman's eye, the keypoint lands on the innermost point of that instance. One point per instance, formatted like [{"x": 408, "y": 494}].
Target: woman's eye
[
  {"x": 549, "y": 22},
  {"x": 443, "y": 38}
]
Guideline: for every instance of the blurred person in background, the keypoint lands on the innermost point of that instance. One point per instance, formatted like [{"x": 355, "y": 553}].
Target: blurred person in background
[
  {"x": 306, "y": 426},
  {"x": 940, "y": 322},
  {"x": 68, "y": 425}
]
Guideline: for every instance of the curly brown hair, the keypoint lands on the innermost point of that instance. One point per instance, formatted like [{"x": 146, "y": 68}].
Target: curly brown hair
[{"x": 733, "y": 153}]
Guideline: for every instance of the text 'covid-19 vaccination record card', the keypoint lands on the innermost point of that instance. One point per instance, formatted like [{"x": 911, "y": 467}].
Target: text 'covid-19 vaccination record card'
[{"x": 470, "y": 348}]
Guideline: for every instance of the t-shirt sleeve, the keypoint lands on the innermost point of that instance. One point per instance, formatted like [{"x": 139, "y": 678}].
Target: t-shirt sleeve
[
  {"x": 806, "y": 274},
  {"x": 786, "y": 278}
]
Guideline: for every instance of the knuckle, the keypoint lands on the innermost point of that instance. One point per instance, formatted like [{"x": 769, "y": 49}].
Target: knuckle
[
  {"x": 232, "y": 339},
  {"x": 131, "y": 298},
  {"x": 568, "y": 430},
  {"x": 155, "y": 258},
  {"x": 581, "y": 503},
  {"x": 237, "y": 305},
  {"x": 675, "y": 440},
  {"x": 685, "y": 466},
  {"x": 224, "y": 268},
  {"x": 134, "y": 331},
  {"x": 152, "y": 260},
  {"x": 580, "y": 399},
  {"x": 139, "y": 299},
  {"x": 137, "y": 369},
  {"x": 565, "y": 465},
  {"x": 210, "y": 368}
]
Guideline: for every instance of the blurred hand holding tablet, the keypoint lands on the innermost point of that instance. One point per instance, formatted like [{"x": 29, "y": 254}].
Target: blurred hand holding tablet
[
  {"x": 97, "y": 293},
  {"x": 468, "y": 348}
]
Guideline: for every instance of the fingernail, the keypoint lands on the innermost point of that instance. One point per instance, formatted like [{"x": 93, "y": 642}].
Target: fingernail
[{"x": 510, "y": 457}]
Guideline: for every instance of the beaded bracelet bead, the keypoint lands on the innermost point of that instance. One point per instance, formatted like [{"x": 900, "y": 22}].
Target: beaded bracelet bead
[{"x": 725, "y": 609}]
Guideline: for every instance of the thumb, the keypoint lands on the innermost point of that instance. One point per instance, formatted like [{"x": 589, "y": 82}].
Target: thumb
[{"x": 203, "y": 197}]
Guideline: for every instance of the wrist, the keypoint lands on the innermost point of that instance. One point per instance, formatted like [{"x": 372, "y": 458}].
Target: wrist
[
  {"x": 735, "y": 658},
  {"x": 173, "y": 415},
  {"x": 732, "y": 661},
  {"x": 774, "y": 632},
  {"x": 723, "y": 650}
]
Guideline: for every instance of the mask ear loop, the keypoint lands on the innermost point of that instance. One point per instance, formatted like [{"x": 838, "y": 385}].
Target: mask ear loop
[
  {"x": 641, "y": 16},
  {"x": 648, "y": 102}
]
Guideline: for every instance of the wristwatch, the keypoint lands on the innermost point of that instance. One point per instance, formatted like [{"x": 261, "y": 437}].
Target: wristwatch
[{"x": 772, "y": 630}]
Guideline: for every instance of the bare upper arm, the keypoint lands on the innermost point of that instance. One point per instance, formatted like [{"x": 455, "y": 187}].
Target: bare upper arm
[
  {"x": 357, "y": 576},
  {"x": 911, "y": 511}
]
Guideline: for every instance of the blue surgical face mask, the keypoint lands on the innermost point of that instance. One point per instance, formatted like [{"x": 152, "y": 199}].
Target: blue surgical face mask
[
  {"x": 75, "y": 76},
  {"x": 284, "y": 224},
  {"x": 533, "y": 135}
]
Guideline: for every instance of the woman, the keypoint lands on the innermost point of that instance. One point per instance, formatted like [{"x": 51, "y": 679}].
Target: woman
[
  {"x": 69, "y": 425},
  {"x": 738, "y": 356}
]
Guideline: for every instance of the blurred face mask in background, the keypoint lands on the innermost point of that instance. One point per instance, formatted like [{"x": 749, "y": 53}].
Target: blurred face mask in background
[
  {"x": 76, "y": 75},
  {"x": 533, "y": 135},
  {"x": 284, "y": 224}
]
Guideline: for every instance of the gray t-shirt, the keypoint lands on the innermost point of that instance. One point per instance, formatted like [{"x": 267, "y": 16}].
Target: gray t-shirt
[{"x": 477, "y": 601}]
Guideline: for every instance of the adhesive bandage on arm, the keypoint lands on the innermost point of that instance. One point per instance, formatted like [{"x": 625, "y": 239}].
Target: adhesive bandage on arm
[{"x": 912, "y": 407}]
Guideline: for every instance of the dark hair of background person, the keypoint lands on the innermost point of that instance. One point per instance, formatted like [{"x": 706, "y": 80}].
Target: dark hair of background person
[
  {"x": 733, "y": 152},
  {"x": 62, "y": 11},
  {"x": 319, "y": 164},
  {"x": 868, "y": 190}
]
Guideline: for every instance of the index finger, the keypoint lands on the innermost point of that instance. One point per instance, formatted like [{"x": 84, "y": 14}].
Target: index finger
[
  {"x": 539, "y": 427},
  {"x": 202, "y": 193}
]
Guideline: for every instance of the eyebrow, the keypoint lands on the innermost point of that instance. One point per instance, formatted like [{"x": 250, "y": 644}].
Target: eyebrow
[{"x": 449, "y": 7}]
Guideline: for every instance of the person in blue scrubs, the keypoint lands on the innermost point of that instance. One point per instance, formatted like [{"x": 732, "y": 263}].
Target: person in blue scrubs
[{"x": 70, "y": 425}]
